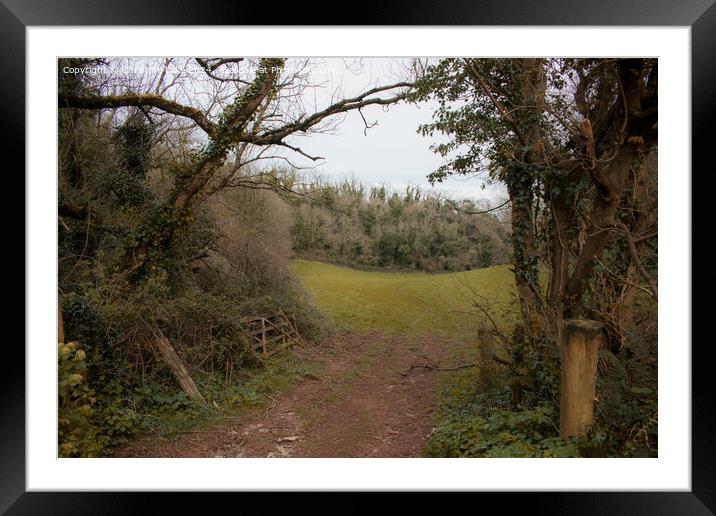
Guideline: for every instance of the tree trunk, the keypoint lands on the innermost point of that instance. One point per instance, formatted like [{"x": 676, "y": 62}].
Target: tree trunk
[
  {"x": 523, "y": 250},
  {"x": 520, "y": 189},
  {"x": 60, "y": 326},
  {"x": 601, "y": 218},
  {"x": 178, "y": 369},
  {"x": 634, "y": 128}
]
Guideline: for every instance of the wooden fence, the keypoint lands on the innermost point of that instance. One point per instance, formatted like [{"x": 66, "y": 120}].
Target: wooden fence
[{"x": 271, "y": 332}]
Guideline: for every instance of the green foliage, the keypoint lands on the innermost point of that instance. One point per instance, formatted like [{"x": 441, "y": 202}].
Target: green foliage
[
  {"x": 131, "y": 392},
  {"x": 472, "y": 423},
  {"x": 308, "y": 233},
  {"x": 234, "y": 118},
  {"x": 121, "y": 401},
  {"x": 168, "y": 412},
  {"x": 130, "y": 265},
  {"x": 509, "y": 120},
  {"x": 472, "y": 121},
  {"x": 134, "y": 139},
  {"x": 77, "y": 435},
  {"x": 250, "y": 387},
  {"x": 504, "y": 434},
  {"x": 626, "y": 422},
  {"x": 121, "y": 279},
  {"x": 342, "y": 224},
  {"x": 481, "y": 426}
]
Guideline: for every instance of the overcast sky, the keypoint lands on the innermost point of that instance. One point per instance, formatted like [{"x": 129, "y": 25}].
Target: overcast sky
[{"x": 392, "y": 152}]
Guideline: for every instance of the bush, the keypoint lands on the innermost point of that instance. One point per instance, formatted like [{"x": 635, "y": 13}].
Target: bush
[
  {"x": 78, "y": 435},
  {"x": 485, "y": 424},
  {"x": 626, "y": 422},
  {"x": 481, "y": 429},
  {"x": 340, "y": 223}
]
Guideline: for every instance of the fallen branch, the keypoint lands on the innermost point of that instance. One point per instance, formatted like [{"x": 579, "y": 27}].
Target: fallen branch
[
  {"x": 462, "y": 366},
  {"x": 436, "y": 368},
  {"x": 165, "y": 349}
]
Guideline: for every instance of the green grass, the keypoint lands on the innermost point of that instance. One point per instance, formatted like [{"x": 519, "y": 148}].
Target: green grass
[
  {"x": 468, "y": 421},
  {"x": 400, "y": 302}
]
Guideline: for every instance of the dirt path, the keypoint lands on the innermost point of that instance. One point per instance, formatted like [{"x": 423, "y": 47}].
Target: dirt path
[{"x": 372, "y": 399}]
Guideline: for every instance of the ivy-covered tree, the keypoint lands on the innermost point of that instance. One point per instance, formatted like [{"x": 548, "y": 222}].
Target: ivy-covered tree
[
  {"x": 146, "y": 156},
  {"x": 252, "y": 109},
  {"x": 568, "y": 138}
]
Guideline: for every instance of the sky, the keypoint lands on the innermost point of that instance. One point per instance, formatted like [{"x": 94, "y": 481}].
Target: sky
[{"x": 391, "y": 152}]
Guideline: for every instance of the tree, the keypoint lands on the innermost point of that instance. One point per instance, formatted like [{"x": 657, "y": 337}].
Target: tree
[
  {"x": 568, "y": 137},
  {"x": 250, "y": 109},
  {"x": 208, "y": 120}
]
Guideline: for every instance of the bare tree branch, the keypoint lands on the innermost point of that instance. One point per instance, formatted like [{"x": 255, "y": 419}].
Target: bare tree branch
[
  {"x": 210, "y": 68},
  {"x": 635, "y": 257},
  {"x": 217, "y": 62},
  {"x": 273, "y": 136},
  {"x": 147, "y": 99},
  {"x": 298, "y": 150},
  {"x": 456, "y": 207},
  {"x": 365, "y": 122}
]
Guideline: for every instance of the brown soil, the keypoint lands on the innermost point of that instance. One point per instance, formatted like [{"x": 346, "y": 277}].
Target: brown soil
[{"x": 372, "y": 399}]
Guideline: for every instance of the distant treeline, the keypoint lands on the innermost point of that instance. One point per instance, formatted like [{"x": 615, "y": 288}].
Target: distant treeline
[{"x": 347, "y": 222}]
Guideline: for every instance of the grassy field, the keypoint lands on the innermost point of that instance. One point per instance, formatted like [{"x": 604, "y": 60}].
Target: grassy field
[{"x": 402, "y": 303}]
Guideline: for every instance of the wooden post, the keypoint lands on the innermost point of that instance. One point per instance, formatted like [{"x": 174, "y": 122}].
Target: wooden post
[
  {"x": 486, "y": 348},
  {"x": 177, "y": 367},
  {"x": 60, "y": 326},
  {"x": 580, "y": 347},
  {"x": 263, "y": 336}
]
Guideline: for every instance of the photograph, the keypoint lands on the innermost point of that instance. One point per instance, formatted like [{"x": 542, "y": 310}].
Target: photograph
[
  {"x": 415, "y": 251},
  {"x": 357, "y": 257}
]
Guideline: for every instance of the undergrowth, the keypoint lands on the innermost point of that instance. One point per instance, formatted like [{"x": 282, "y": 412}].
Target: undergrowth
[
  {"x": 470, "y": 422},
  {"x": 92, "y": 428},
  {"x": 473, "y": 423}
]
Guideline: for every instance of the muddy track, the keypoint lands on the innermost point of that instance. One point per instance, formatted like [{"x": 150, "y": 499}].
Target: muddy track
[{"x": 372, "y": 397}]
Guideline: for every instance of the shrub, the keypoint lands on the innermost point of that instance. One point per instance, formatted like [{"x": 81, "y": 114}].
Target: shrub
[
  {"x": 78, "y": 436},
  {"x": 481, "y": 429}
]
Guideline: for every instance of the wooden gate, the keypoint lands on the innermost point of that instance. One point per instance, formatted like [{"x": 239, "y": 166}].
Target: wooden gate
[{"x": 271, "y": 332}]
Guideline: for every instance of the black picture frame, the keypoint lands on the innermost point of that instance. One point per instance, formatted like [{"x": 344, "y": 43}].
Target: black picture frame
[{"x": 16, "y": 15}]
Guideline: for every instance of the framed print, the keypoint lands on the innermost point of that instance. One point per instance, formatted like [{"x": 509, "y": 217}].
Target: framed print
[{"x": 418, "y": 252}]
